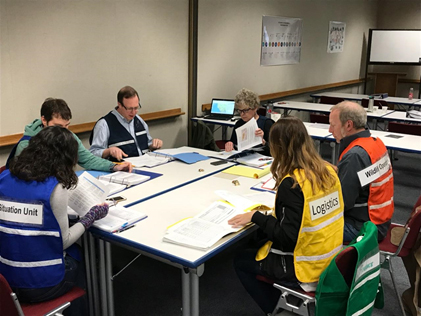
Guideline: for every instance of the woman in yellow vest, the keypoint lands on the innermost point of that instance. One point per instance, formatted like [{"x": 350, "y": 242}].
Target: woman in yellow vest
[{"x": 306, "y": 229}]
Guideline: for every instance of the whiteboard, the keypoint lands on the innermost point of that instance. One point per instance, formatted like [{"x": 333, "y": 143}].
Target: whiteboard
[{"x": 395, "y": 46}]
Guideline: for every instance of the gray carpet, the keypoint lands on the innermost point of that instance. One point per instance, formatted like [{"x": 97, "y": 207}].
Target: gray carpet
[{"x": 149, "y": 287}]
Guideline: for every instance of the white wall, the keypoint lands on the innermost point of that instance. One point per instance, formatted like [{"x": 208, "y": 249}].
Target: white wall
[{"x": 230, "y": 37}]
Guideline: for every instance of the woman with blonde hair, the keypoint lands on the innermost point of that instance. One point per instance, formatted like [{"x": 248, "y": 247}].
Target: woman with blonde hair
[
  {"x": 305, "y": 230},
  {"x": 247, "y": 103}
]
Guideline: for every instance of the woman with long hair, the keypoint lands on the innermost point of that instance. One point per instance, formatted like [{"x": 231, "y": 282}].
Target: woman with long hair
[
  {"x": 37, "y": 251},
  {"x": 305, "y": 230}
]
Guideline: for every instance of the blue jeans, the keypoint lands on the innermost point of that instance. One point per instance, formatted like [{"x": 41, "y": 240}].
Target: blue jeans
[{"x": 350, "y": 232}]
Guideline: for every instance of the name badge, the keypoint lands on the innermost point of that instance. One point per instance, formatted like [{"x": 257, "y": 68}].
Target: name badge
[
  {"x": 24, "y": 213},
  {"x": 324, "y": 205},
  {"x": 375, "y": 171}
]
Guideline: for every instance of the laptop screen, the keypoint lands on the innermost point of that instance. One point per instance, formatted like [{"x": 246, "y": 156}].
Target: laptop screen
[{"x": 223, "y": 107}]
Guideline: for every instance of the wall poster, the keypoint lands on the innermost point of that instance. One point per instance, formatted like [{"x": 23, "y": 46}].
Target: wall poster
[
  {"x": 281, "y": 41},
  {"x": 336, "y": 38}
]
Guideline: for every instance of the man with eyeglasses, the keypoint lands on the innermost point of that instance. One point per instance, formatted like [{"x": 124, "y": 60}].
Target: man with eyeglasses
[{"x": 122, "y": 132}]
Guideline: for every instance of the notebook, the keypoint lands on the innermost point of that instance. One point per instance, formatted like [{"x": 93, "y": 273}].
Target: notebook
[{"x": 221, "y": 109}]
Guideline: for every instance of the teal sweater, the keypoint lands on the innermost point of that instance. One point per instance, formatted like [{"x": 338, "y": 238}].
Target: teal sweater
[{"x": 86, "y": 159}]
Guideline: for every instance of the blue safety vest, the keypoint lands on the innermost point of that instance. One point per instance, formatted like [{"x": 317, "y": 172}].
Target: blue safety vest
[
  {"x": 31, "y": 254},
  {"x": 121, "y": 138}
]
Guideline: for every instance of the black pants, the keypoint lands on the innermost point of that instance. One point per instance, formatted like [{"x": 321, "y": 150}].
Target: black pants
[{"x": 247, "y": 268}]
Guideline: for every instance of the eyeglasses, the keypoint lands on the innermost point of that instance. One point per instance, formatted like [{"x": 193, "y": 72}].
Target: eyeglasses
[
  {"x": 136, "y": 108},
  {"x": 243, "y": 111}
]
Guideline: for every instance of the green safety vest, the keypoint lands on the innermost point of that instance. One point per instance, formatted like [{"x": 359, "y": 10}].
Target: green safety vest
[{"x": 335, "y": 297}]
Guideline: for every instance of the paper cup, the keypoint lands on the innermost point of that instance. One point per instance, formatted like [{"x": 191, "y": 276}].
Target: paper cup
[
  {"x": 384, "y": 109},
  {"x": 375, "y": 108}
]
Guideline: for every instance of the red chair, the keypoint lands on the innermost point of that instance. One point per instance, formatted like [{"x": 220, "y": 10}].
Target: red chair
[
  {"x": 409, "y": 238},
  {"x": 330, "y": 100},
  {"x": 379, "y": 103},
  {"x": 405, "y": 128},
  {"x": 2, "y": 169},
  {"x": 10, "y": 306},
  {"x": 319, "y": 118}
]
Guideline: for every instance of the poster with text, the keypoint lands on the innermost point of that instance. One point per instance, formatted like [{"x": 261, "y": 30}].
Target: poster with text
[
  {"x": 281, "y": 41},
  {"x": 336, "y": 39}
]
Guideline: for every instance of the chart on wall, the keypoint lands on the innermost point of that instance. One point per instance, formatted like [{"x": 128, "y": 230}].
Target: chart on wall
[
  {"x": 336, "y": 38},
  {"x": 281, "y": 40}
]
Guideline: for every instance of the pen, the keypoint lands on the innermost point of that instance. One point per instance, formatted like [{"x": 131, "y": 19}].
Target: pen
[
  {"x": 263, "y": 159},
  {"x": 123, "y": 228},
  {"x": 120, "y": 163}
]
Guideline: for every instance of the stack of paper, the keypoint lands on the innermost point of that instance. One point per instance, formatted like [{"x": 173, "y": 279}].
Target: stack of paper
[
  {"x": 125, "y": 178},
  {"x": 246, "y": 171},
  {"x": 255, "y": 160},
  {"x": 148, "y": 160}
]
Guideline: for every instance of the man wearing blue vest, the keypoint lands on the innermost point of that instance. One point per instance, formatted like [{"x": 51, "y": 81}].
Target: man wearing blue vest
[{"x": 122, "y": 132}]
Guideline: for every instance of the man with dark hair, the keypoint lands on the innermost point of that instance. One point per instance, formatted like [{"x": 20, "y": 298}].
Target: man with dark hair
[
  {"x": 56, "y": 112},
  {"x": 122, "y": 132},
  {"x": 364, "y": 169}
]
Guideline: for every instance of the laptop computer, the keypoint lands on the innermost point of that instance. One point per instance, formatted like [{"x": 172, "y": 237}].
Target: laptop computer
[{"x": 221, "y": 109}]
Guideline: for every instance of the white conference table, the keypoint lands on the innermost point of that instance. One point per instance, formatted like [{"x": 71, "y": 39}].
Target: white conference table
[
  {"x": 146, "y": 237},
  {"x": 359, "y": 97},
  {"x": 174, "y": 173},
  {"x": 319, "y": 107},
  {"x": 401, "y": 117},
  {"x": 395, "y": 141}
]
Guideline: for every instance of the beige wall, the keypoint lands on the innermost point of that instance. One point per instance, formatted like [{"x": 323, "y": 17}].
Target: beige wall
[
  {"x": 230, "y": 36},
  {"x": 85, "y": 51}
]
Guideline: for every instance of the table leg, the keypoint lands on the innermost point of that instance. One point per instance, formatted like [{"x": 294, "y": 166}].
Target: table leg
[
  {"x": 109, "y": 278},
  {"x": 89, "y": 289},
  {"x": 185, "y": 288},
  {"x": 92, "y": 255},
  {"x": 102, "y": 280}
]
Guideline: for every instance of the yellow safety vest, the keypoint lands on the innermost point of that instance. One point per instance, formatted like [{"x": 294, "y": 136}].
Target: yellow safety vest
[{"x": 321, "y": 233}]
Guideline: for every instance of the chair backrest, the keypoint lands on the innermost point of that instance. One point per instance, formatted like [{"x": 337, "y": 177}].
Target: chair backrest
[
  {"x": 404, "y": 128},
  {"x": 330, "y": 100},
  {"x": 319, "y": 118},
  {"x": 2, "y": 168},
  {"x": 7, "y": 305},
  {"x": 379, "y": 103},
  {"x": 346, "y": 261},
  {"x": 261, "y": 111},
  {"x": 414, "y": 223}
]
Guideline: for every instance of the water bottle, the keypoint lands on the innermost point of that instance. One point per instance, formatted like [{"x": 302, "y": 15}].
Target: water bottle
[
  {"x": 370, "y": 104},
  {"x": 411, "y": 93},
  {"x": 269, "y": 109}
]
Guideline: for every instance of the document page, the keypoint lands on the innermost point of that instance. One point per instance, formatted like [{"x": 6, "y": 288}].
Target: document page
[
  {"x": 89, "y": 192},
  {"x": 205, "y": 229},
  {"x": 245, "y": 135},
  {"x": 148, "y": 160}
]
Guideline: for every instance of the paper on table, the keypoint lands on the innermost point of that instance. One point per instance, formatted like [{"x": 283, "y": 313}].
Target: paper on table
[
  {"x": 89, "y": 192},
  {"x": 148, "y": 160},
  {"x": 247, "y": 171},
  {"x": 240, "y": 202},
  {"x": 246, "y": 137},
  {"x": 205, "y": 229}
]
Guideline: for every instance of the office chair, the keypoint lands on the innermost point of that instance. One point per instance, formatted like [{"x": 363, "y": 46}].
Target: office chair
[
  {"x": 379, "y": 103},
  {"x": 330, "y": 100},
  {"x": 202, "y": 137},
  {"x": 302, "y": 303},
  {"x": 405, "y": 128},
  {"x": 10, "y": 305},
  {"x": 390, "y": 250}
]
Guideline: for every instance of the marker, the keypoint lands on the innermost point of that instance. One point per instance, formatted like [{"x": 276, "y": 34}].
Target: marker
[
  {"x": 123, "y": 228},
  {"x": 264, "y": 159}
]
